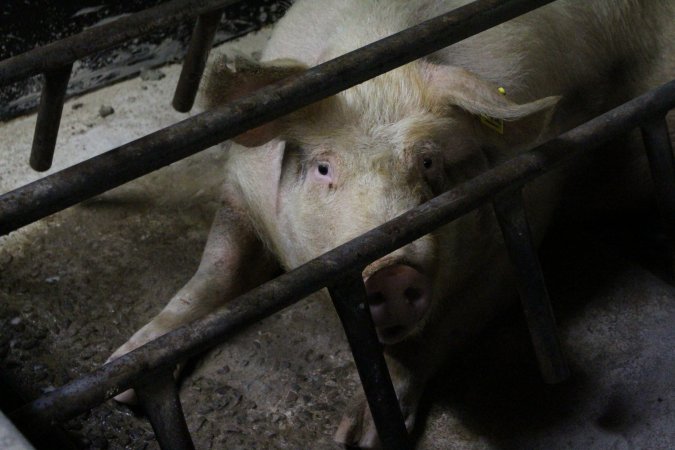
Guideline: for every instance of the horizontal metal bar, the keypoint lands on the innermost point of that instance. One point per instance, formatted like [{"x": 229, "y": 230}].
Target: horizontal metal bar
[
  {"x": 158, "y": 395},
  {"x": 45, "y": 434},
  {"x": 49, "y": 118},
  {"x": 195, "y": 60},
  {"x": 156, "y": 150},
  {"x": 93, "y": 40},
  {"x": 118, "y": 375},
  {"x": 350, "y": 301},
  {"x": 662, "y": 164},
  {"x": 510, "y": 211}
]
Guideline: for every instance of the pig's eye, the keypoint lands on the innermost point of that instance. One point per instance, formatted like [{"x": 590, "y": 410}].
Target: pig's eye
[
  {"x": 432, "y": 172},
  {"x": 322, "y": 173}
]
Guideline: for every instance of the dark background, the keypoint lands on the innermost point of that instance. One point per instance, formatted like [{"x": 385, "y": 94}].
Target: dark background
[{"x": 26, "y": 24}]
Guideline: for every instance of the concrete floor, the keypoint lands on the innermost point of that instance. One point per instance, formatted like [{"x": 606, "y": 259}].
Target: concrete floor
[
  {"x": 75, "y": 285},
  {"x": 51, "y": 21}
]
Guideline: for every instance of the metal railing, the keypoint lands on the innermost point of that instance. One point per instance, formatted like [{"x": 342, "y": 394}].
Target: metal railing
[
  {"x": 340, "y": 269},
  {"x": 55, "y": 61}
]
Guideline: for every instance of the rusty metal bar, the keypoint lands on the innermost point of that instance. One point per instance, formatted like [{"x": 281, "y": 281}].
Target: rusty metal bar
[
  {"x": 160, "y": 400},
  {"x": 662, "y": 164},
  {"x": 45, "y": 434},
  {"x": 137, "y": 158},
  {"x": 163, "y": 353},
  {"x": 195, "y": 60},
  {"x": 510, "y": 212},
  {"x": 49, "y": 117},
  {"x": 53, "y": 56},
  {"x": 351, "y": 304}
]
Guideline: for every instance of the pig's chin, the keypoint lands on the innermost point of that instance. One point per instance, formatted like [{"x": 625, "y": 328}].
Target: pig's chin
[{"x": 393, "y": 334}]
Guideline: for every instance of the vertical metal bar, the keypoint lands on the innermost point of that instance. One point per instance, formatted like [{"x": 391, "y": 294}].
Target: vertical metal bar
[
  {"x": 662, "y": 164},
  {"x": 160, "y": 400},
  {"x": 195, "y": 60},
  {"x": 49, "y": 117},
  {"x": 510, "y": 212},
  {"x": 349, "y": 299}
]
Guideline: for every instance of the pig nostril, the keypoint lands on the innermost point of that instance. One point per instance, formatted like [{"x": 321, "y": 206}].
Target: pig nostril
[
  {"x": 412, "y": 294},
  {"x": 376, "y": 298}
]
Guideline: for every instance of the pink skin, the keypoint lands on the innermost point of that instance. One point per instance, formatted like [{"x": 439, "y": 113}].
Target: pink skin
[{"x": 398, "y": 296}]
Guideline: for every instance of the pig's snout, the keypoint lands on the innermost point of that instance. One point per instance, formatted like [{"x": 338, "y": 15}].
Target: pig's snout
[{"x": 398, "y": 297}]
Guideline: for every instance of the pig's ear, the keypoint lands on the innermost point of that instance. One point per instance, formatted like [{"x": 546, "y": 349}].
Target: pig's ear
[
  {"x": 504, "y": 121},
  {"x": 226, "y": 82}
]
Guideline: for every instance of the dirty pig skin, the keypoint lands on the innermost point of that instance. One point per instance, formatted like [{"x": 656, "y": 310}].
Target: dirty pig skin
[{"x": 308, "y": 182}]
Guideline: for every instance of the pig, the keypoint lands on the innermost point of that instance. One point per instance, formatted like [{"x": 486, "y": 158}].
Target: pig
[{"x": 310, "y": 181}]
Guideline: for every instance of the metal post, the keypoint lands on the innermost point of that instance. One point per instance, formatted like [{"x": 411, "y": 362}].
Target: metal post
[
  {"x": 662, "y": 165},
  {"x": 510, "y": 213},
  {"x": 49, "y": 117},
  {"x": 350, "y": 301},
  {"x": 159, "y": 398},
  {"x": 195, "y": 60}
]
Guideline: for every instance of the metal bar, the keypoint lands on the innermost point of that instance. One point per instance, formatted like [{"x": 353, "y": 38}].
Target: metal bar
[
  {"x": 46, "y": 434},
  {"x": 159, "y": 397},
  {"x": 662, "y": 165},
  {"x": 52, "y": 56},
  {"x": 195, "y": 60},
  {"x": 510, "y": 212},
  {"x": 349, "y": 299},
  {"x": 86, "y": 392},
  {"x": 116, "y": 167},
  {"x": 49, "y": 118}
]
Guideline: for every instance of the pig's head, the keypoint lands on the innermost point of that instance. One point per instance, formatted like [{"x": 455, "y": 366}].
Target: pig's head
[{"x": 354, "y": 161}]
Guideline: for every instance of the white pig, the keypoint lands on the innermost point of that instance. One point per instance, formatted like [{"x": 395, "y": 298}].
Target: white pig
[{"x": 332, "y": 171}]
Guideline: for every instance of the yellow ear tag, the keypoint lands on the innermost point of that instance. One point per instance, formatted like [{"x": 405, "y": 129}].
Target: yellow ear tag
[{"x": 496, "y": 125}]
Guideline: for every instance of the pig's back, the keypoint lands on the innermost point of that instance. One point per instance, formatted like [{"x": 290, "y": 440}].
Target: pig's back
[
  {"x": 314, "y": 31},
  {"x": 560, "y": 48}
]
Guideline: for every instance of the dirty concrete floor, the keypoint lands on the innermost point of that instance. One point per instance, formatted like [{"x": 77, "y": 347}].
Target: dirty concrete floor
[
  {"x": 74, "y": 286},
  {"x": 52, "y": 20}
]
